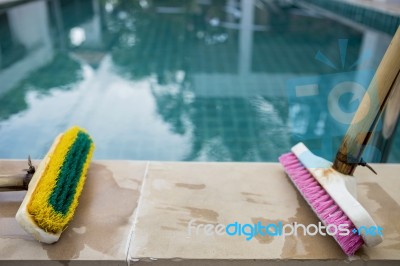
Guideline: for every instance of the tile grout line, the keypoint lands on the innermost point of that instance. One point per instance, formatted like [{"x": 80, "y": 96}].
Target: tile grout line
[{"x": 139, "y": 203}]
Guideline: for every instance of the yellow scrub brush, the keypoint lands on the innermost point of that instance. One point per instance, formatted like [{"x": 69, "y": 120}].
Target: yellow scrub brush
[{"x": 55, "y": 187}]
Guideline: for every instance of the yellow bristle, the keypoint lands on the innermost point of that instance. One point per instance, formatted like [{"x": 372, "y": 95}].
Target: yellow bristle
[{"x": 43, "y": 213}]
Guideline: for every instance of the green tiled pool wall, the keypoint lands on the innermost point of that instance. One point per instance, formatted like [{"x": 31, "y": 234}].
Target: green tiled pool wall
[{"x": 373, "y": 18}]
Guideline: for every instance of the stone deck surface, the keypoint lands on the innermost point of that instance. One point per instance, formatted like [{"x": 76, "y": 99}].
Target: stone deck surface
[{"x": 138, "y": 212}]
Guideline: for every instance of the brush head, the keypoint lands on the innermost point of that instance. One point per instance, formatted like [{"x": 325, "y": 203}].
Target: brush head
[
  {"x": 321, "y": 202},
  {"x": 54, "y": 190}
]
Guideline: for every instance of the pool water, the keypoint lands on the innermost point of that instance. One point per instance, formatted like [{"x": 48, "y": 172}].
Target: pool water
[{"x": 177, "y": 80}]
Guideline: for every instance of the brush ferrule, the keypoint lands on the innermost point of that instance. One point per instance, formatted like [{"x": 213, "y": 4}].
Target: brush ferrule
[{"x": 344, "y": 164}]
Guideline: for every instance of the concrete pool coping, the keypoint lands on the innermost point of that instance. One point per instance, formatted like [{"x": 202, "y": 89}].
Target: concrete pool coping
[
  {"x": 359, "y": 13},
  {"x": 388, "y": 8},
  {"x": 138, "y": 212}
]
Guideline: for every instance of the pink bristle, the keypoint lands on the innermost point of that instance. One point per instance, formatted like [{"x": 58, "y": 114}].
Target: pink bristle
[{"x": 322, "y": 204}]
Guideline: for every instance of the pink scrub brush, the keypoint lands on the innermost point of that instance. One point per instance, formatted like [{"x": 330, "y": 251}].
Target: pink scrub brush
[{"x": 330, "y": 189}]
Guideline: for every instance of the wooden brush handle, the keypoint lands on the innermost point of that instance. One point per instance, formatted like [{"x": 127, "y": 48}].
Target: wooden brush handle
[
  {"x": 17, "y": 181},
  {"x": 370, "y": 109},
  {"x": 12, "y": 182}
]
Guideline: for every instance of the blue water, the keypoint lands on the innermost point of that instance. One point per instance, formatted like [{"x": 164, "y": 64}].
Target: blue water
[{"x": 178, "y": 80}]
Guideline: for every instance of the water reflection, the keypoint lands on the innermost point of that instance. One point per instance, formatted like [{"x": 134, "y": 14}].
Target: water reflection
[
  {"x": 164, "y": 80},
  {"x": 68, "y": 72}
]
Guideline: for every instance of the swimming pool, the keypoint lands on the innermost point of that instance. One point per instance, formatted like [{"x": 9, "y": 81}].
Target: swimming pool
[{"x": 175, "y": 80}]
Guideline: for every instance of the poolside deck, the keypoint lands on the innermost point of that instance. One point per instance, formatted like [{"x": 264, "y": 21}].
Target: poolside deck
[
  {"x": 138, "y": 212},
  {"x": 386, "y": 7}
]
